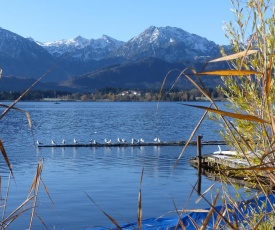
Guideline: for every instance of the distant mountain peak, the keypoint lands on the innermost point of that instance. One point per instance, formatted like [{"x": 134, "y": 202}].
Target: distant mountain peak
[
  {"x": 82, "y": 48},
  {"x": 24, "y": 57},
  {"x": 109, "y": 39},
  {"x": 79, "y": 38},
  {"x": 168, "y": 43},
  {"x": 30, "y": 39}
]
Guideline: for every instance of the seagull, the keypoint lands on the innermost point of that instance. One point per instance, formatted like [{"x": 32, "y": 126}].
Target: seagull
[
  {"x": 123, "y": 140},
  {"x": 157, "y": 140},
  {"x": 91, "y": 141},
  {"x": 220, "y": 149},
  {"x": 107, "y": 141},
  {"x": 94, "y": 142},
  {"x": 39, "y": 143},
  {"x": 63, "y": 141},
  {"x": 119, "y": 140},
  {"x": 75, "y": 142},
  {"x": 134, "y": 141},
  {"x": 53, "y": 142},
  {"x": 141, "y": 140}
]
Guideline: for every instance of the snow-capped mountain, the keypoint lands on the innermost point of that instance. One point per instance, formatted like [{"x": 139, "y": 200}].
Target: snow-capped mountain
[
  {"x": 15, "y": 46},
  {"x": 83, "y": 49},
  {"x": 106, "y": 56},
  {"x": 167, "y": 43},
  {"x": 22, "y": 57}
]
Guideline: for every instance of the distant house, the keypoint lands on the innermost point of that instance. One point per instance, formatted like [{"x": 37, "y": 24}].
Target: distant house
[
  {"x": 201, "y": 98},
  {"x": 50, "y": 99},
  {"x": 130, "y": 92}
]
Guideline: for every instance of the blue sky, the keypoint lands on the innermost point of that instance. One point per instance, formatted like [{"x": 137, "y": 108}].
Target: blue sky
[{"x": 51, "y": 20}]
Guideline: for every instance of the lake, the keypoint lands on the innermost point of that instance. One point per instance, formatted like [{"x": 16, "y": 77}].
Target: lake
[{"x": 110, "y": 176}]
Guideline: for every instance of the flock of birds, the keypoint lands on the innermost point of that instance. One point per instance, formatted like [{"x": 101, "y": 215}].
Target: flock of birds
[{"x": 107, "y": 141}]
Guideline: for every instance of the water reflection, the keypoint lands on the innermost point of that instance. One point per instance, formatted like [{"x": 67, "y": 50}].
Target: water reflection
[
  {"x": 157, "y": 150},
  {"x": 52, "y": 151},
  {"x": 75, "y": 152},
  {"x": 109, "y": 175}
]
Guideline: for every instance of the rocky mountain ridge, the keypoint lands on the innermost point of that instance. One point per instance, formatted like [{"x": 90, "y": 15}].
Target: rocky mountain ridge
[
  {"x": 168, "y": 43},
  {"x": 74, "y": 60}
]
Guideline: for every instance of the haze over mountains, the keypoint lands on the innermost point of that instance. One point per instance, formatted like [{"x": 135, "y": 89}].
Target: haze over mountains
[{"x": 82, "y": 64}]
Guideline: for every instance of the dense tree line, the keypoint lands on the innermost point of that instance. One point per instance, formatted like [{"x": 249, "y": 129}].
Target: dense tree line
[{"x": 114, "y": 94}]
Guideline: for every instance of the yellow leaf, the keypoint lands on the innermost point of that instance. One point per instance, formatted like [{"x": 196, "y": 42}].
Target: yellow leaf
[
  {"x": 229, "y": 114},
  {"x": 229, "y": 72},
  {"x": 234, "y": 56},
  {"x": 3, "y": 151}
]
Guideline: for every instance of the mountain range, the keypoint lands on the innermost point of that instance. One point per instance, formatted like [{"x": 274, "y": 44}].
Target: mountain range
[{"x": 82, "y": 64}]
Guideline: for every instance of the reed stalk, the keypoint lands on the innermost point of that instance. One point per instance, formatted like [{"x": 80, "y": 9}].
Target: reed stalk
[{"x": 249, "y": 87}]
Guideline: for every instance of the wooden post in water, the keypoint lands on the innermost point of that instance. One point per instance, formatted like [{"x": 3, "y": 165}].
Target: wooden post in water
[{"x": 199, "y": 157}]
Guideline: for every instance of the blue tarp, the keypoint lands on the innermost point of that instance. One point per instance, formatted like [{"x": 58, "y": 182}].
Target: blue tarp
[{"x": 239, "y": 214}]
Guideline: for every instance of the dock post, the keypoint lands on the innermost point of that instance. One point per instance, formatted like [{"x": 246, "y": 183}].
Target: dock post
[{"x": 199, "y": 162}]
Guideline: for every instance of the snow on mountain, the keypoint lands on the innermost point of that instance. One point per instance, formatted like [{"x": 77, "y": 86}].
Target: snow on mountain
[
  {"x": 82, "y": 48},
  {"x": 167, "y": 43},
  {"x": 14, "y": 46},
  {"x": 23, "y": 57},
  {"x": 28, "y": 58}
]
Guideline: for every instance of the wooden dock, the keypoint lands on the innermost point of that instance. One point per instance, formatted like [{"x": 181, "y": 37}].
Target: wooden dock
[
  {"x": 169, "y": 143},
  {"x": 212, "y": 165},
  {"x": 212, "y": 161}
]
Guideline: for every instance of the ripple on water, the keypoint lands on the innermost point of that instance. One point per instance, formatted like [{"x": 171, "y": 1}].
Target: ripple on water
[{"x": 110, "y": 176}]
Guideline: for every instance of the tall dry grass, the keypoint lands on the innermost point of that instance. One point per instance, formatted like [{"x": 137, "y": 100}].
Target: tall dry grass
[
  {"x": 30, "y": 204},
  {"x": 250, "y": 90}
]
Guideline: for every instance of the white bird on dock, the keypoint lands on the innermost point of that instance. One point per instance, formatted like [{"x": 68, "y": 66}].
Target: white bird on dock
[
  {"x": 157, "y": 140},
  {"x": 94, "y": 142},
  {"x": 75, "y": 141},
  {"x": 39, "y": 143},
  {"x": 53, "y": 142},
  {"x": 108, "y": 141},
  {"x": 119, "y": 140},
  {"x": 141, "y": 140},
  {"x": 134, "y": 141},
  {"x": 220, "y": 149},
  {"x": 91, "y": 141},
  {"x": 123, "y": 140},
  {"x": 63, "y": 141}
]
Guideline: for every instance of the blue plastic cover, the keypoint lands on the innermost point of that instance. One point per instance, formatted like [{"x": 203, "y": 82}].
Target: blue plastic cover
[{"x": 237, "y": 214}]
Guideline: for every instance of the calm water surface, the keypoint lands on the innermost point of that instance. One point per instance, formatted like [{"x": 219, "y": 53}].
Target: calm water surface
[{"x": 110, "y": 176}]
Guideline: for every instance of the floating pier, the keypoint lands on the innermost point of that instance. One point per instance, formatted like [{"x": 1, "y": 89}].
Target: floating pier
[
  {"x": 168, "y": 143},
  {"x": 211, "y": 164},
  {"x": 211, "y": 161}
]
